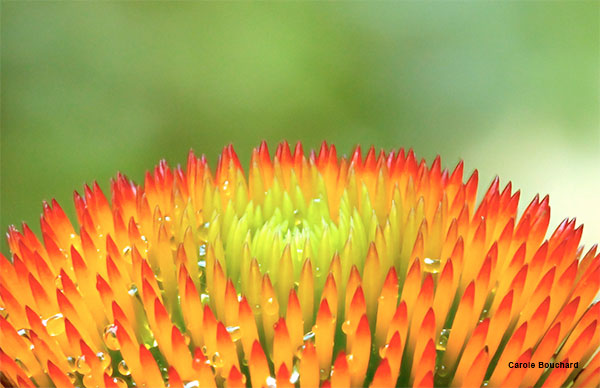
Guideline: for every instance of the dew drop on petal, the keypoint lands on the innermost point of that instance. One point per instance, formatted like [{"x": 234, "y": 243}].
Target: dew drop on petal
[
  {"x": 133, "y": 290},
  {"x": 205, "y": 299},
  {"x": 82, "y": 366},
  {"x": 216, "y": 360},
  {"x": 55, "y": 325},
  {"x": 110, "y": 337},
  {"x": 350, "y": 360},
  {"x": 202, "y": 254},
  {"x": 123, "y": 368},
  {"x": 431, "y": 265},
  {"x": 271, "y": 382},
  {"x": 484, "y": 314},
  {"x": 120, "y": 382},
  {"x": 270, "y": 307},
  {"x": 191, "y": 384},
  {"x": 346, "y": 327},
  {"x": 23, "y": 333},
  {"x": 309, "y": 336},
  {"x": 383, "y": 350},
  {"x": 72, "y": 377},
  {"x": 295, "y": 375},
  {"x": 299, "y": 351},
  {"x": 105, "y": 359},
  {"x": 442, "y": 370},
  {"x": 72, "y": 363},
  {"x": 127, "y": 254},
  {"x": 323, "y": 375},
  {"x": 235, "y": 332},
  {"x": 443, "y": 340},
  {"x": 58, "y": 283}
]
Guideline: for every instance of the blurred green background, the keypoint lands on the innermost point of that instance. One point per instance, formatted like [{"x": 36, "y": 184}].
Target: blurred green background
[{"x": 89, "y": 89}]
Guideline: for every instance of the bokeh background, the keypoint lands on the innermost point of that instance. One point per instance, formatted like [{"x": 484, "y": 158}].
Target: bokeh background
[{"x": 89, "y": 89}]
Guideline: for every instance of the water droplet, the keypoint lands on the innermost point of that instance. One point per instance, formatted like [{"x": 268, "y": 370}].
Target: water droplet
[
  {"x": 308, "y": 336},
  {"x": 202, "y": 252},
  {"x": 108, "y": 370},
  {"x": 204, "y": 298},
  {"x": 154, "y": 344},
  {"x": 23, "y": 333},
  {"x": 299, "y": 351},
  {"x": 297, "y": 218},
  {"x": 123, "y": 368},
  {"x": 295, "y": 375},
  {"x": 105, "y": 359},
  {"x": 216, "y": 360},
  {"x": 173, "y": 243},
  {"x": 235, "y": 332},
  {"x": 204, "y": 350},
  {"x": 58, "y": 282},
  {"x": 270, "y": 307},
  {"x": 443, "y": 340},
  {"x": 82, "y": 366},
  {"x": 323, "y": 374},
  {"x": 485, "y": 383},
  {"x": 431, "y": 265},
  {"x": 271, "y": 382},
  {"x": 133, "y": 290},
  {"x": 110, "y": 337},
  {"x": 191, "y": 384},
  {"x": 442, "y": 370},
  {"x": 55, "y": 325},
  {"x": 72, "y": 363},
  {"x": 383, "y": 350},
  {"x": 121, "y": 383},
  {"x": 72, "y": 377},
  {"x": 346, "y": 326},
  {"x": 350, "y": 358}
]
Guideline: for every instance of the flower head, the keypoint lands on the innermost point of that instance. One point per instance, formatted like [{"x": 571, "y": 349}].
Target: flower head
[{"x": 306, "y": 271}]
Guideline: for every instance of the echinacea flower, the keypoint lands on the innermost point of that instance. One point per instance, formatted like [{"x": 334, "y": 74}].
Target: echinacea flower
[{"x": 306, "y": 271}]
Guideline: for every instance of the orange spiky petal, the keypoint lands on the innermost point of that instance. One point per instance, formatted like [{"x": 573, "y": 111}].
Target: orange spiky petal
[{"x": 384, "y": 266}]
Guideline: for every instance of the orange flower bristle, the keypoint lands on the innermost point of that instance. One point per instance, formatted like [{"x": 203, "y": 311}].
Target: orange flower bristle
[{"x": 301, "y": 272}]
